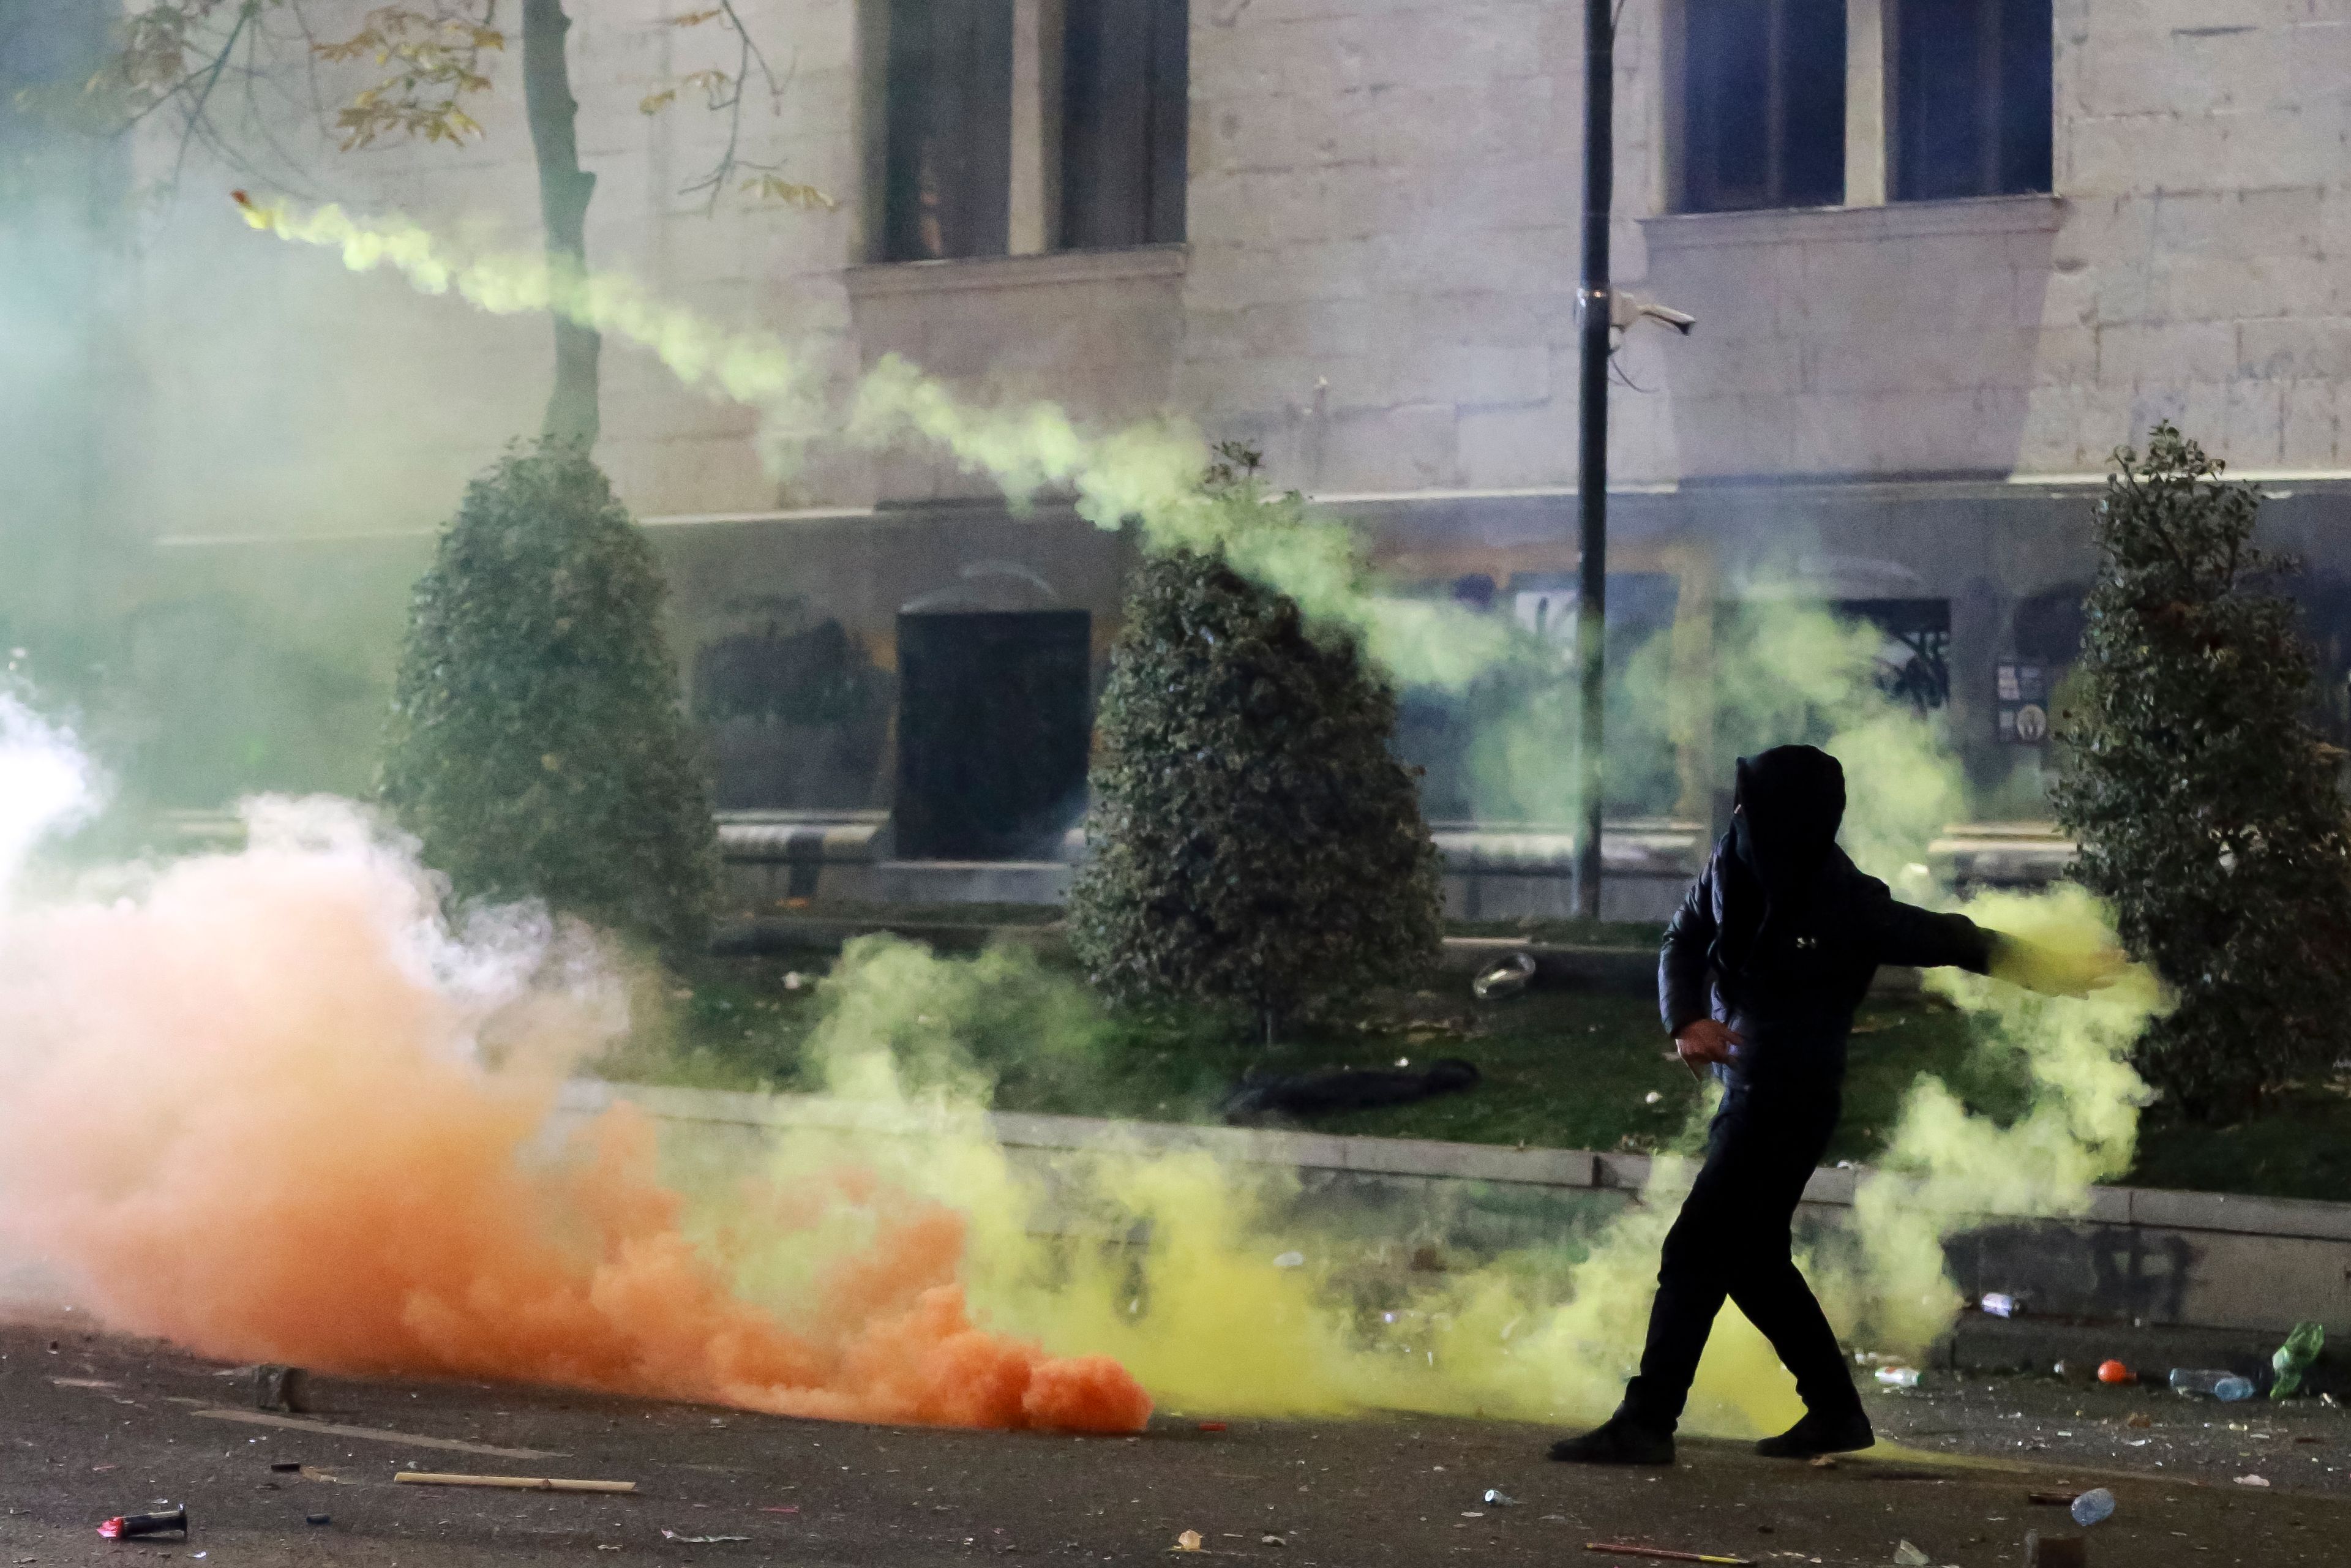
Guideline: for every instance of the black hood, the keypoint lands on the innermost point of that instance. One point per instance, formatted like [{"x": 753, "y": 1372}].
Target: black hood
[{"x": 1790, "y": 802}]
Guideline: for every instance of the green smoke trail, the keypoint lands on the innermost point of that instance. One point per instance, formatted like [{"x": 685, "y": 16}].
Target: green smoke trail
[{"x": 1150, "y": 472}]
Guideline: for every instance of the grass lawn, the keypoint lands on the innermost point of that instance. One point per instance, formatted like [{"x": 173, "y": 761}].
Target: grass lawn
[{"x": 1561, "y": 1070}]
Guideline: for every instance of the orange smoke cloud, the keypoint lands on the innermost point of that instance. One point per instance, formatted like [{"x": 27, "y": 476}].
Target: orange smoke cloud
[{"x": 268, "y": 1109}]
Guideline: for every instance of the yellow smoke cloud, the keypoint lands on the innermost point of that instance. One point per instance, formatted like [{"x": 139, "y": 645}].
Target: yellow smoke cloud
[
  {"x": 1207, "y": 1278},
  {"x": 1172, "y": 1260},
  {"x": 1944, "y": 1168},
  {"x": 1168, "y": 1260}
]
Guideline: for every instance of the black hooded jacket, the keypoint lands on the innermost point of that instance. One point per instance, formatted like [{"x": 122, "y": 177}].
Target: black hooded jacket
[{"x": 1781, "y": 933}]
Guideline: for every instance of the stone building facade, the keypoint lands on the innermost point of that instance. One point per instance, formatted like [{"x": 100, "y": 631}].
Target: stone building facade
[{"x": 1943, "y": 255}]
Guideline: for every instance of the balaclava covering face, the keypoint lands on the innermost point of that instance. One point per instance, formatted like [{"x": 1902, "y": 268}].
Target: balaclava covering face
[{"x": 1790, "y": 802}]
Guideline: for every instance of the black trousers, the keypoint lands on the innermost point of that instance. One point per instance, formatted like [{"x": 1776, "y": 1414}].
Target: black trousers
[{"x": 1732, "y": 1240}]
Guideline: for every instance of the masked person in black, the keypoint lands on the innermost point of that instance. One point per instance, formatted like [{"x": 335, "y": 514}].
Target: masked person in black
[{"x": 1762, "y": 967}]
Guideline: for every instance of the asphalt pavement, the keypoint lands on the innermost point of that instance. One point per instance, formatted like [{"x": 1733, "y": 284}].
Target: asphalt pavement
[{"x": 92, "y": 1425}]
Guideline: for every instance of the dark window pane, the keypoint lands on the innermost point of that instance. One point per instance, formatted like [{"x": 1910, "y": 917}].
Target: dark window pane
[
  {"x": 1812, "y": 86},
  {"x": 1171, "y": 117},
  {"x": 1124, "y": 88},
  {"x": 1972, "y": 94},
  {"x": 1729, "y": 103},
  {"x": 1765, "y": 103},
  {"x": 2025, "y": 89},
  {"x": 1939, "y": 94},
  {"x": 949, "y": 170}
]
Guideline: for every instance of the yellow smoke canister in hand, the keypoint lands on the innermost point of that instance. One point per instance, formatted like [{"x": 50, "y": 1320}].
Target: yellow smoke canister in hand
[{"x": 2054, "y": 966}]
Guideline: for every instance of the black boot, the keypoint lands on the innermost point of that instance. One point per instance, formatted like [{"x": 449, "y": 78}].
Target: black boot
[
  {"x": 1616, "y": 1441},
  {"x": 1817, "y": 1435}
]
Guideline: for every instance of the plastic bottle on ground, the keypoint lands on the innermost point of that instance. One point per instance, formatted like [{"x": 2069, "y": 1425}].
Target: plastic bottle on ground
[
  {"x": 2094, "y": 1507},
  {"x": 2227, "y": 1386}
]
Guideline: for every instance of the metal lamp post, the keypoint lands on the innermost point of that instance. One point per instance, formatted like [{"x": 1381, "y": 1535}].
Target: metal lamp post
[{"x": 1592, "y": 456}]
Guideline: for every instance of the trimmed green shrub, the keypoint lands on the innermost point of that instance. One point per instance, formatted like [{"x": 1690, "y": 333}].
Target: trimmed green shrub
[
  {"x": 1252, "y": 840},
  {"x": 2208, "y": 809},
  {"x": 535, "y": 745}
]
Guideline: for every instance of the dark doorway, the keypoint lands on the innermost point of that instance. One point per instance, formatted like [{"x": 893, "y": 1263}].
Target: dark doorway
[{"x": 995, "y": 723}]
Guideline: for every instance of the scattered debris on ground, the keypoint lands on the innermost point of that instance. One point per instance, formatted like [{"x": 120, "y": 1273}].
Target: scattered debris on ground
[{"x": 281, "y": 1389}]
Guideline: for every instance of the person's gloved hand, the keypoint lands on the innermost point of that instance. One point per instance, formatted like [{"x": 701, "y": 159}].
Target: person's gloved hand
[
  {"x": 2055, "y": 970},
  {"x": 1707, "y": 1040}
]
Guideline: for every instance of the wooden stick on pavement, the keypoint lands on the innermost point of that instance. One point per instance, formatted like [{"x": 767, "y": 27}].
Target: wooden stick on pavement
[
  {"x": 1660, "y": 1552},
  {"x": 512, "y": 1483}
]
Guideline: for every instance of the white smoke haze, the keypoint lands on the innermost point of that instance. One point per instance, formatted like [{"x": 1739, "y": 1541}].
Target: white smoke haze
[{"x": 46, "y": 786}]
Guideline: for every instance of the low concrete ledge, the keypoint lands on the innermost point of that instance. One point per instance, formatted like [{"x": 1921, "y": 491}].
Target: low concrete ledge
[
  {"x": 1491, "y": 872},
  {"x": 2203, "y": 1261},
  {"x": 2236, "y": 1214},
  {"x": 1833, "y": 1188},
  {"x": 1624, "y": 971}
]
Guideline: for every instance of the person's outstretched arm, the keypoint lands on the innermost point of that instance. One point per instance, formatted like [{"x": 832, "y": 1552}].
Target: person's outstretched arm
[{"x": 1925, "y": 940}]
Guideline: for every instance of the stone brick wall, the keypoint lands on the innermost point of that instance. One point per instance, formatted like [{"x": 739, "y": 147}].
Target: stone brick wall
[
  {"x": 1379, "y": 282},
  {"x": 1377, "y": 287},
  {"x": 1385, "y": 201}
]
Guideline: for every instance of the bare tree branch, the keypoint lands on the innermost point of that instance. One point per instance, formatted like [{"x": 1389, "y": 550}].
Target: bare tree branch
[
  {"x": 724, "y": 92},
  {"x": 211, "y": 79}
]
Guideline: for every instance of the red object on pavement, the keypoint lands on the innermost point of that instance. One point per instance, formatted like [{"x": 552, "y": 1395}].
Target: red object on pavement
[
  {"x": 123, "y": 1526},
  {"x": 2114, "y": 1372},
  {"x": 1212, "y": 1426}
]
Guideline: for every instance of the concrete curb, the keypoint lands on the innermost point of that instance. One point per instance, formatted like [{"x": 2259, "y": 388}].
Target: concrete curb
[
  {"x": 2219, "y": 1213},
  {"x": 1617, "y": 971},
  {"x": 1631, "y": 970},
  {"x": 2234, "y": 1266}
]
